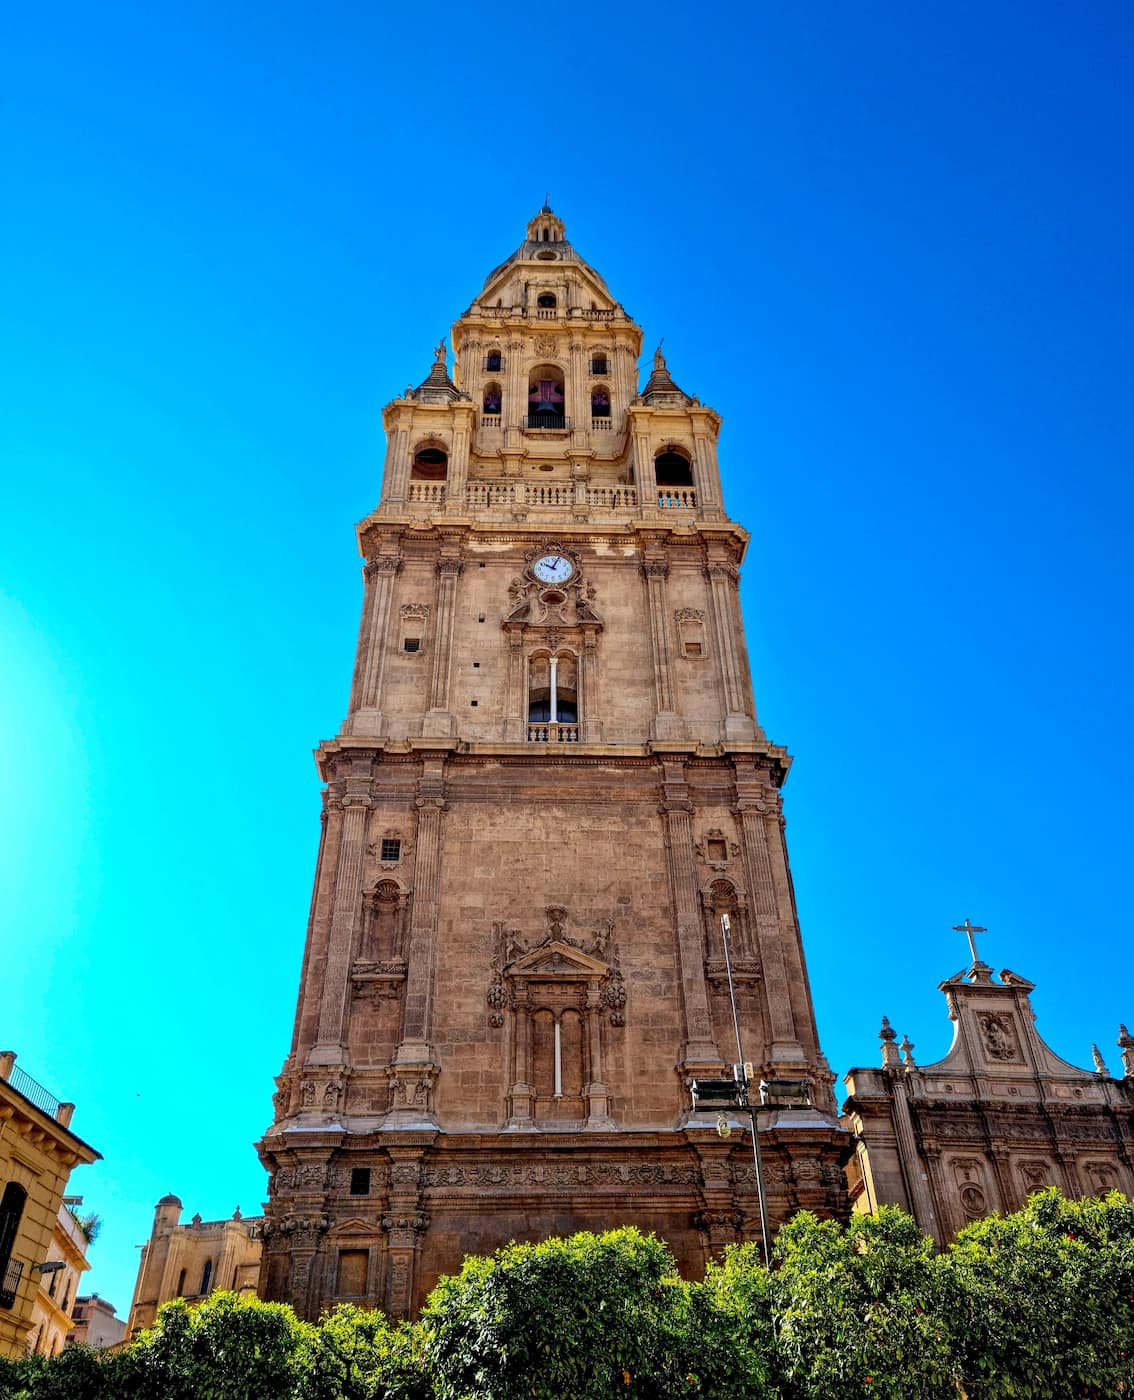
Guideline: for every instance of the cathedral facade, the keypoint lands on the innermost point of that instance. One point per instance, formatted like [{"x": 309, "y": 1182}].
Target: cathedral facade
[{"x": 550, "y": 785}]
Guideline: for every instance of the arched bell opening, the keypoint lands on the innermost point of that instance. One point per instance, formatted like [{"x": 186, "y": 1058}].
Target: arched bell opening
[
  {"x": 546, "y": 300},
  {"x": 600, "y": 401},
  {"x": 673, "y": 469},
  {"x": 492, "y": 400},
  {"x": 430, "y": 463},
  {"x": 546, "y": 401}
]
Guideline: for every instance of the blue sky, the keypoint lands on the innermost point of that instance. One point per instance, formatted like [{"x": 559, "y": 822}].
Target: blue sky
[{"x": 890, "y": 244}]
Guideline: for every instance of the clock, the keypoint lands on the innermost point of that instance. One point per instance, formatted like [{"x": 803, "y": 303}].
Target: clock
[{"x": 553, "y": 568}]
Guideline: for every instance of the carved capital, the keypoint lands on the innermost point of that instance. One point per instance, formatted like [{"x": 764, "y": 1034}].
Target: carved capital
[
  {"x": 449, "y": 568},
  {"x": 384, "y": 564},
  {"x": 655, "y": 568}
]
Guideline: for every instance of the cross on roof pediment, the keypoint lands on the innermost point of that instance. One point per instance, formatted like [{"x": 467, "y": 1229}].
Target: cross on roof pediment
[{"x": 557, "y": 960}]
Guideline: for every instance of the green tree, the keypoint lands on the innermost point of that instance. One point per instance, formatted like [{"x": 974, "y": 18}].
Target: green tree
[
  {"x": 358, "y": 1355},
  {"x": 859, "y": 1310},
  {"x": 228, "y": 1348},
  {"x": 1044, "y": 1299},
  {"x": 586, "y": 1317}
]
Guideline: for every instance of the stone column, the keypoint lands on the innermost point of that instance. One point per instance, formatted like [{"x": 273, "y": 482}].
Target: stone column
[
  {"x": 591, "y": 732},
  {"x": 723, "y": 581},
  {"x": 515, "y": 713},
  {"x": 395, "y": 477},
  {"x": 578, "y": 394},
  {"x": 404, "y": 1222},
  {"x": 346, "y": 911},
  {"x": 758, "y": 872},
  {"x": 456, "y": 484},
  {"x": 422, "y": 952},
  {"x": 699, "y": 1048},
  {"x": 521, "y": 1091},
  {"x": 597, "y": 1094},
  {"x": 303, "y": 1235},
  {"x": 705, "y": 472},
  {"x": 917, "y": 1182},
  {"x": 666, "y": 724},
  {"x": 515, "y": 387},
  {"x": 439, "y": 721},
  {"x": 644, "y": 477},
  {"x": 373, "y": 645}
]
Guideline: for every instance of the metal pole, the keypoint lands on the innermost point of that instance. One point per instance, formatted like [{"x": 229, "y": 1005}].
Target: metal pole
[{"x": 765, "y": 1234}]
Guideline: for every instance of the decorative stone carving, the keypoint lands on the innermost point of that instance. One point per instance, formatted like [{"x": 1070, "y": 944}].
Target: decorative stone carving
[
  {"x": 688, "y": 615},
  {"x": 416, "y": 610},
  {"x": 999, "y": 1035}
]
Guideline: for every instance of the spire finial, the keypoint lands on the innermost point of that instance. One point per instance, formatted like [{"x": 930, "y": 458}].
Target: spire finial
[
  {"x": 1126, "y": 1045},
  {"x": 659, "y": 358},
  {"x": 968, "y": 928},
  {"x": 907, "y": 1049},
  {"x": 1100, "y": 1063},
  {"x": 441, "y": 354},
  {"x": 887, "y": 1035}
]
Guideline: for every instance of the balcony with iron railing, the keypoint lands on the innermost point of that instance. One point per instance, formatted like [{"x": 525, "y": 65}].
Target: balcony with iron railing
[{"x": 545, "y": 423}]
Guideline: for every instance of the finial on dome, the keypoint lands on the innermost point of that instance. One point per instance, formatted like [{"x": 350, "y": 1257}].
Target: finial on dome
[
  {"x": 659, "y": 358},
  {"x": 441, "y": 354}
]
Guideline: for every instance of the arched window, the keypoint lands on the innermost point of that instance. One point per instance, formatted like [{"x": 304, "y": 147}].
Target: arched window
[
  {"x": 673, "y": 469},
  {"x": 600, "y": 402},
  {"x": 382, "y": 937},
  {"x": 546, "y": 401},
  {"x": 553, "y": 698},
  {"x": 430, "y": 463},
  {"x": 206, "y": 1277},
  {"x": 11, "y": 1209},
  {"x": 493, "y": 398},
  {"x": 494, "y": 360},
  {"x": 546, "y": 301},
  {"x": 599, "y": 363}
]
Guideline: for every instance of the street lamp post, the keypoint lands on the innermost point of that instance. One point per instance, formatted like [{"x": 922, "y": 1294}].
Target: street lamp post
[{"x": 737, "y": 1093}]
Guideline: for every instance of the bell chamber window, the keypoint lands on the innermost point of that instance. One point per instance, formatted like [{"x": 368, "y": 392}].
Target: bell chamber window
[
  {"x": 430, "y": 463},
  {"x": 599, "y": 363},
  {"x": 546, "y": 301},
  {"x": 545, "y": 397},
  {"x": 494, "y": 360},
  {"x": 493, "y": 398},
  {"x": 600, "y": 402},
  {"x": 672, "y": 468}
]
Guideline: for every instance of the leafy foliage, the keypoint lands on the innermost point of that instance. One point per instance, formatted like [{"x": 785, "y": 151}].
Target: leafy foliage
[
  {"x": 1039, "y": 1304},
  {"x": 860, "y": 1310},
  {"x": 1044, "y": 1299}
]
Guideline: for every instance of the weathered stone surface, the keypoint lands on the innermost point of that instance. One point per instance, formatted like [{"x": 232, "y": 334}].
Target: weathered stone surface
[{"x": 550, "y": 785}]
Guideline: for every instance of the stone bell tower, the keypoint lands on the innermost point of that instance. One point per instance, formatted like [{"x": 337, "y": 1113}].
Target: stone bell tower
[{"x": 549, "y": 785}]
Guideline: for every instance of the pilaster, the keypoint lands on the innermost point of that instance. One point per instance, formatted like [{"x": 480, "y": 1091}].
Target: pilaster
[{"x": 331, "y": 1048}]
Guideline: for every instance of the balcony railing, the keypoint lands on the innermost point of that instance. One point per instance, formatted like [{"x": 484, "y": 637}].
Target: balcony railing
[
  {"x": 547, "y": 313},
  {"x": 510, "y": 495},
  {"x": 677, "y": 498},
  {"x": 600, "y": 367},
  {"x": 602, "y": 425},
  {"x": 553, "y": 733},
  {"x": 10, "y": 1284},
  {"x": 426, "y": 492},
  {"x": 490, "y": 420},
  {"x": 547, "y": 422},
  {"x": 36, "y": 1093}
]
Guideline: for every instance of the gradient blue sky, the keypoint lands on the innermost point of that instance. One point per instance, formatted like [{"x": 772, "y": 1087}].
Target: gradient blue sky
[{"x": 890, "y": 243}]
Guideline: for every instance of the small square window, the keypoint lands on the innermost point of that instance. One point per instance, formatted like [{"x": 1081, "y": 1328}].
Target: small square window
[
  {"x": 482, "y": 566},
  {"x": 411, "y": 644},
  {"x": 360, "y": 1176},
  {"x": 476, "y": 665},
  {"x": 474, "y": 703},
  {"x": 391, "y": 849},
  {"x": 692, "y": 648},
  {"x": 480, "y": 618}
]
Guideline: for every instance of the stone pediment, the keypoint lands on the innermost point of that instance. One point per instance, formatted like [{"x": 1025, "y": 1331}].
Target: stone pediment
[{"x": 557, "y": 960}]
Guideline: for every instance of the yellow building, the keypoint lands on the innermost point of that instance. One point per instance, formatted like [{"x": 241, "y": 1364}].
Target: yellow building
[
  {"x": 37, "y": 1152},
  {"x": 190, "y": 1261},
  {"x": 52, "y": 1312}
]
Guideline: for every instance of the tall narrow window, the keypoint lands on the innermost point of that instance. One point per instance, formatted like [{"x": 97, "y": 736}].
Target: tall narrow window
[
  {"x": 600, "y": 403},
  {"x": 206, "y": 1277},
  {"x": 181, "y": 1284},
  {"x": 494, "y": 360},
  {"x": 11, "y": 1209},
  {"x": 492, "y": 400}
]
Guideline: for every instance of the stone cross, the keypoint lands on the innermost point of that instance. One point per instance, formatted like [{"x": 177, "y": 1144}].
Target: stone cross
[{"x": 968, "y": 928}]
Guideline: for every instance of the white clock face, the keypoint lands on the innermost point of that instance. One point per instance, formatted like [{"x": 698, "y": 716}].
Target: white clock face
[{"x": 553, "y": 568}]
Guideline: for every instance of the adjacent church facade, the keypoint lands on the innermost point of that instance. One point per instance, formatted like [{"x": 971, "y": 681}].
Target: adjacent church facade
[{"x": 550, "y": 784}]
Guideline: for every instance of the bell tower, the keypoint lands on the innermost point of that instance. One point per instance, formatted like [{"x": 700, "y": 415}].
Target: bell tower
[{"x": 549, "y": 785}]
